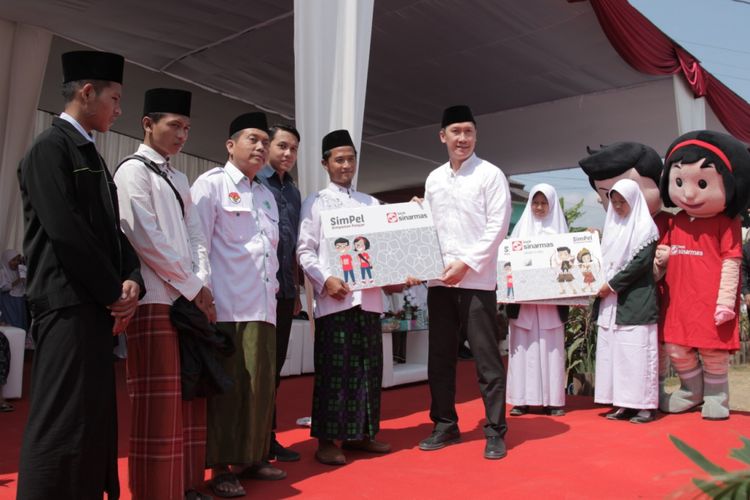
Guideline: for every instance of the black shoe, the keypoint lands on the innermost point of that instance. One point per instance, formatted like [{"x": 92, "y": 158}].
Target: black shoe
[
  {"x": 622, "y": 414},
  {"x": 282, "y": 454},
  {"x": 643, "y": 417},
  {"x": 519, "y": 410},
  {"x": 464, "y": 352},
  {"x": 495, "y": 448},
  {"x": 554, "y": 411},
  {"x": 439, "y": 439}
]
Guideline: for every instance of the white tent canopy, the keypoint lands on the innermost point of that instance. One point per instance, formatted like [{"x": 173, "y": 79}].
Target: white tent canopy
[{"x": 541, "y": 76}]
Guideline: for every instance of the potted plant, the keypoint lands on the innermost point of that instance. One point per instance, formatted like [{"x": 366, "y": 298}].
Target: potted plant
[{"x": 580, "y": 347}]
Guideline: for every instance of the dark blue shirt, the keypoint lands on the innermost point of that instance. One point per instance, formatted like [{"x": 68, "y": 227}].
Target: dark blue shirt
[{"x": 289, "y": 202}]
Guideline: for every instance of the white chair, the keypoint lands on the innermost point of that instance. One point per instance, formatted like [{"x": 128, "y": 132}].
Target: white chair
[
  {"x": 293, "y": 363},
  {"x": 415, "y": 367},
  {"x": 17, "y": 340}
]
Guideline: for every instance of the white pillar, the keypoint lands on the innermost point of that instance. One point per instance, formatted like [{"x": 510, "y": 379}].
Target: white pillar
[
  {"x": 23, "y": 60},
  {"x": 691, "y": 110},
  {"x": 331, "y": 56}
]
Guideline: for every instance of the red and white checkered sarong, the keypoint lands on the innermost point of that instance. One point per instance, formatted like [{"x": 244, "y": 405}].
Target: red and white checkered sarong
[{"x": 168, "y": 435}]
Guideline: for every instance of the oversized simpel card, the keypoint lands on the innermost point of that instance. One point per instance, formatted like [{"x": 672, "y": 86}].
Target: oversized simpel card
[
  {"x": 381, "y": 245},
  {"x": 553, "y": 269}
]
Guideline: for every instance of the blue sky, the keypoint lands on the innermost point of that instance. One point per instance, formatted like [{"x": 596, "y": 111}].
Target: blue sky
[{"x": 716, "y": 32}]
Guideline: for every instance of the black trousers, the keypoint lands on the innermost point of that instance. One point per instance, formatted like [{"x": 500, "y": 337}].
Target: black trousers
[
  {"x": 449, "y": 309},
  {"x": 69, "y": 448},
  {"x": 284, "y": 316}
]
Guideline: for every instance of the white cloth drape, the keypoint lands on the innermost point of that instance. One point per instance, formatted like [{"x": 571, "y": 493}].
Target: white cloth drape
[
  {"x": 23, "y": 60},
  {"x": 691, "y": 110},
  {"x": 331, "y": 56},
  {"x": 114, "y": 147}
]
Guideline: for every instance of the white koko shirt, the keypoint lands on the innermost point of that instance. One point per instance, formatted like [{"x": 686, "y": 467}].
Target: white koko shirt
[
  {"x": 314, "y": 258},
  {"x": 171, "y": 248},
  {"x": 471, "y": 209},
  {"x": 241, "y": 223}
]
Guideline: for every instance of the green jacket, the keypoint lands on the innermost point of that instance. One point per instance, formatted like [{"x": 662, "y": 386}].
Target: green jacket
[{"x": 637, "y": 300}]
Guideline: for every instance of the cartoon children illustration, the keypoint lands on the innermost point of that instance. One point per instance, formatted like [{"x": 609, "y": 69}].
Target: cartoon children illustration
[
  {"x": 586, "y": 265},
  {"x": 342, "y": 247},
  {"x": 361, "y": 244},
  {"x": 508, "y": 281},
  {"x": 565, "y": 261}
]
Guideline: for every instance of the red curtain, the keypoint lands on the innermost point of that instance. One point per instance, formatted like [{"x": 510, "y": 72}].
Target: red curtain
[{"x": 647, "y": 49}]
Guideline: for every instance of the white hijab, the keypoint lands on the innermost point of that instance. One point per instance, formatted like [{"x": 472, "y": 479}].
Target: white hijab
[
  {"x": 624, "y": 237},
  {"x": 553, "y": 223}
]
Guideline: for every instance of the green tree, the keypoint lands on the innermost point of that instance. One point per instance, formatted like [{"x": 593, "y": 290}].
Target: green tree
[{"x": 572, "y": 214}]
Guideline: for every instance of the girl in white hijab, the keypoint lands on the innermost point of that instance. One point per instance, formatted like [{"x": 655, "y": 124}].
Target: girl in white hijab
[
  {"x": 536, "y": 366},
  {"x": 628, "y": 310}
]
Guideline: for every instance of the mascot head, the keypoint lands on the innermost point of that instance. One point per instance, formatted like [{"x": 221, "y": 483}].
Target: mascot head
[
  {"x": 706, "y": 173},
  {"x": 625, "y": 160}
]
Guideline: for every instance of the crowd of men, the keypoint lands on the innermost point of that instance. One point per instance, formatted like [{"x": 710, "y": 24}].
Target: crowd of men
[{"x": 115, "y": 254}]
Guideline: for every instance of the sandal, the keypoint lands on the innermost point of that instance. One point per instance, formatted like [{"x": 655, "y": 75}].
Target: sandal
[
  {"x": 263, "y": 471},
  {"x": 224, "y": 484},
  {"x": 6, "y": 407}
]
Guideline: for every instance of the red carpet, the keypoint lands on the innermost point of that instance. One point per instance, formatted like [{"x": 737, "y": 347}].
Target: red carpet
[{"x": 580, "y": 455}]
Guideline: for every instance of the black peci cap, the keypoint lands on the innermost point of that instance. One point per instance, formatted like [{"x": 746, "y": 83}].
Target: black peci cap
[
  {"x": 92, "y": 65},
  {"x": 255, "y": 119},
  {"x": 167, "y": 101}
]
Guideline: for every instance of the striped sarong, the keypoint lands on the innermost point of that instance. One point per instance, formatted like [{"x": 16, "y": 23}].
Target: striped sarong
[{"x": 168, "y": 435}]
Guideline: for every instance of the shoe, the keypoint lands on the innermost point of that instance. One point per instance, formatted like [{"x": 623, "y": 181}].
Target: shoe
[
  {"x": 329, "y": 454},
  {"x": 519, "y": 410},
  {"x": 622, "y": 414},
  {"x": 495, "y": 448},
  {"x": 282, "y": 454},
  {"x": 643, "y": 417},
  {"x": 439, "y": 439},
  {"x": 226, "y": 485},
  {"x": 368, "y": 445},
  {"x": 262, "y": 471},
  {"x": 464, "y": 352},
  {"x": 554, "y": 411}
]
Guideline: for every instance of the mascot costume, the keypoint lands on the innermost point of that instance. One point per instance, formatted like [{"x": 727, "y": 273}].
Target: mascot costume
[{"x": 707, "y": 175}]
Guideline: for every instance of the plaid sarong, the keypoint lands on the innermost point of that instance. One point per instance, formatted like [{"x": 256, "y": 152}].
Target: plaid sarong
[
  {"x": 168, "y": 435},
  {"x": 348, "y": 375}
]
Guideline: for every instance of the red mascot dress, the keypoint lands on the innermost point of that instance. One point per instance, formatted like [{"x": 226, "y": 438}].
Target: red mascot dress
[{"x": 707, "y": 175}]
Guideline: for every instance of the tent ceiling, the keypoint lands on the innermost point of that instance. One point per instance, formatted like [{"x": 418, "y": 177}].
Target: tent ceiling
[{"x": 496, "y": 55}]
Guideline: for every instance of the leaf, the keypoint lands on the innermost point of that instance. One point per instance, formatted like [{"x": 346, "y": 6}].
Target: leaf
[
  {"x": 707, "y": 487},
  {"x": 742, "y": 454},
  {"x": 697, "y": 457},
  {"x": 744, "y": 489}
]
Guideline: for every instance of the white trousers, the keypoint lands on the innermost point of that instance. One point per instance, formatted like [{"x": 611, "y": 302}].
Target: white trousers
[
  {"x": 536, "y": 366},
  {"x": 627, "y": 366}
]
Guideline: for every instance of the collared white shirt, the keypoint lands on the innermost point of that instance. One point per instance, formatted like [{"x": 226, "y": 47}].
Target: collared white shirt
[
  {"x": 471, "y": 209},
  {"x": 65, "y": 116},
  {"x": 171, "y": 248},
  {"x": 241, "y": 222},
  {"x": 314, "y": 258}
]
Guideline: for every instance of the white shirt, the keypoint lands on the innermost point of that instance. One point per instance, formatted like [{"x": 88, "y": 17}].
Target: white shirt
[
  {"x": 65, "y": 116},
  {"x": 171, "y": 248},
  {"x": 241, "y": 222},
  {"x": 314, "y": 259},
  {"x": 471, "y": 208}
]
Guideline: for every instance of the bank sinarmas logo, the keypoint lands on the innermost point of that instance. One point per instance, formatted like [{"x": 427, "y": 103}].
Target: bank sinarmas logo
[
  {"x": 517, "y": 245},
  {"x": 391, "y": 217}
]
